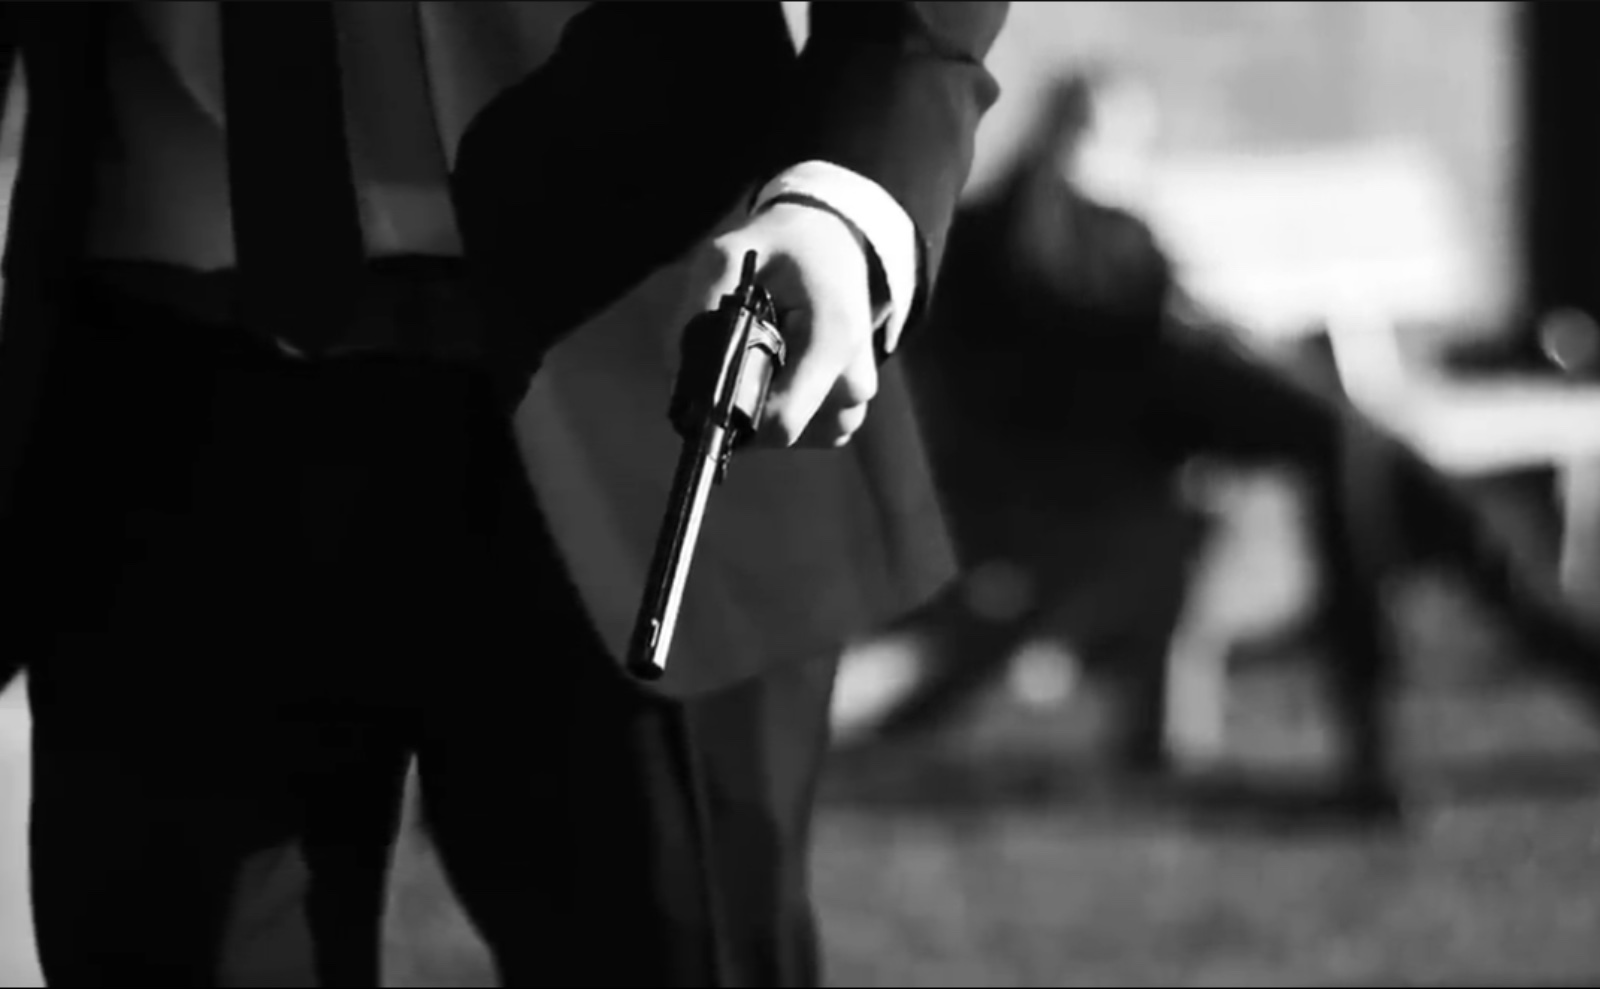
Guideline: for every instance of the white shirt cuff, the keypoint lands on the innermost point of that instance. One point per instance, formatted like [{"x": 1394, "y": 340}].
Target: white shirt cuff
[{"x": 881, "y": 220}]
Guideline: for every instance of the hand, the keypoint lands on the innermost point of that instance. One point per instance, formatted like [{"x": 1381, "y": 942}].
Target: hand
[{"x": 815, "y": 268}]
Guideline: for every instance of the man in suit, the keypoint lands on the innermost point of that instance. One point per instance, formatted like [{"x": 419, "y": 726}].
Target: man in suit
[{"x": 277, "y": 273}]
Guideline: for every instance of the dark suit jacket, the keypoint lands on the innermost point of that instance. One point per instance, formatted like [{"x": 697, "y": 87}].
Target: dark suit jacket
[
  {"x": 652, "y": 120},
  {"x": 647, "y": 126}
]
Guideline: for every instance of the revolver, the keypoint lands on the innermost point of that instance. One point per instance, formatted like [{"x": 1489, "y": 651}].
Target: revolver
[{"x": 728, "y": 357}]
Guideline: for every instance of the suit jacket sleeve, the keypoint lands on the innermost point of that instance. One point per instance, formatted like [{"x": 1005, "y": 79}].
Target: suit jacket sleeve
[
  {"x": 631, "y": 143},
  {"x": 895, "y": 92}
]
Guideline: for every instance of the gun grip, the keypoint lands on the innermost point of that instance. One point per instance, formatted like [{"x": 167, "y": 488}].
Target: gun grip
[{"x": 700, "y": 356}]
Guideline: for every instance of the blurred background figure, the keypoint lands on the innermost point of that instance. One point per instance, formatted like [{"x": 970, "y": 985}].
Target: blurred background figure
[
  {"x": 1070, "y": 391},
  {"x": 1033, "y": 388}
]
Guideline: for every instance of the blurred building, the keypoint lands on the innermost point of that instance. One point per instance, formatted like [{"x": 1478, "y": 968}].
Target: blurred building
[{"x": 1242, "y": 77}]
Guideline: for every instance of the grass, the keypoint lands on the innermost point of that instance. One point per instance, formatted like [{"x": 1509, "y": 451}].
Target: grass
[
  {"x": 1031, "y": 880},
  {"x": 988, "y": 860}
]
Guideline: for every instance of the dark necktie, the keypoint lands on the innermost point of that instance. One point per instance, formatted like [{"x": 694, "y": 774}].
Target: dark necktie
[{"x": 296, "y": 222}]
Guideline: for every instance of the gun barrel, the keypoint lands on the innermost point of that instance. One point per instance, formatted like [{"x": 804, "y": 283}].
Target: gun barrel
[
  {"x": 669, "y": 567},
  {"x": 730, "y": 355}
]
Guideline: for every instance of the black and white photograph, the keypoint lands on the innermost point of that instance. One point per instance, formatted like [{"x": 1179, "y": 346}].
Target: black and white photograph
[{"x": 728, "y": 493}]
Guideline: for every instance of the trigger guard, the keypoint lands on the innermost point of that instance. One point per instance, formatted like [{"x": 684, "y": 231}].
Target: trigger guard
[{"x": 767, "y": 337}]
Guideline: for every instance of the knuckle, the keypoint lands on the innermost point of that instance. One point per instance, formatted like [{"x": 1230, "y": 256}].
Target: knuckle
[
  {"x": 861, "y": 385},
  {"x": 787, "y": 428},
  {"x": 727, "y": 248},
  {"x": 783, "y": 422},
  {"x": 713, "y": 260},
  {"x": 839, "y": 334},
  {"x": 848, "y": 423},
  {"x": 847, "y": 312}
]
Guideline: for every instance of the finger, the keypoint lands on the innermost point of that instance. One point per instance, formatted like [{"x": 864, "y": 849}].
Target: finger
[
  {"x": 845, "y": 409},
  {"x": 822, "y": 343},
  {"x": 832, "y": 427},
  {"x": 827, "y": 331},
  {"x": 847, "y": 423},
  {"x": 858, "y": 385},
  {"x": 718, "y": 269}
]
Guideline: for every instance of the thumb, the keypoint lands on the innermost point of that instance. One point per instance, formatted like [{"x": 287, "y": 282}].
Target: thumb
[{"x": 719, "y": 270}]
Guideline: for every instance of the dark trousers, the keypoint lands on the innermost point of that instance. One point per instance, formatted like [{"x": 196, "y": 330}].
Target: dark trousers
[{"x": 251, "y": 591}]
